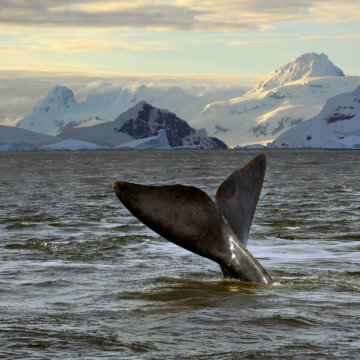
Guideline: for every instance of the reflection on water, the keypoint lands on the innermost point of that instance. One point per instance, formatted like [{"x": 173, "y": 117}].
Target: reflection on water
[{"x": 82, "y": 278}]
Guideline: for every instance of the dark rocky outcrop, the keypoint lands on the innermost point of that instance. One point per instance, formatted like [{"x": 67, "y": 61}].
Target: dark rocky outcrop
[{"x": 150, "y": 120}]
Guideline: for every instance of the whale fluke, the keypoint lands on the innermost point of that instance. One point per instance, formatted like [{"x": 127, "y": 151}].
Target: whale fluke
[
  {"x": 186, "y": 216},
  {"x": 238, "y": 195}
]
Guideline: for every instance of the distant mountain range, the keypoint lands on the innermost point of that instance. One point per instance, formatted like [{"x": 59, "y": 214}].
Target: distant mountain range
[
  {"x": 142, "y": 121},
  {"x": 59, "y": 110},
  {"x": 336, "y": 126},
  {"x": 291, "y": 94}
]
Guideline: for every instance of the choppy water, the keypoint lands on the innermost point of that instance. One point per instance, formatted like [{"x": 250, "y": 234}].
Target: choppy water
[{"x": 80, "y": 278}]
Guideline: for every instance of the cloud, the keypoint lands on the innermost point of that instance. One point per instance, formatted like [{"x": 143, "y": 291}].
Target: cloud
[
  {"x": 93, "y": 45},
  {"x": 9, "y": 121},
  {"x": 264, "y": 14},
  {"x": 21, "y": 89},
  {"x": 17, "y": 48},
  {"x": 83, "y": 13},
  {"x": 331, "y": 37},
  {"x": 175, "y": 14},
  {"x": 245, "y": 42}
]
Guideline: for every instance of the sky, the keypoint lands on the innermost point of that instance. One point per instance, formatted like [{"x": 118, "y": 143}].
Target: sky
[{"x": 185, "y": 42}]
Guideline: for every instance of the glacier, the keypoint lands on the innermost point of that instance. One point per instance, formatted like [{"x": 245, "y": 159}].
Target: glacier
[
  {"x": 73, "y": 144},
  {"x": 158, "y": 142},
  {"x": 6, "y": 147},
  {"x": 347, "y": 142}
]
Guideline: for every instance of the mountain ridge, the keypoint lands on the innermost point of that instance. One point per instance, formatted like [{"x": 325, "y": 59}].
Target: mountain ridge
[
  {"x": 292, "y": 93},
  {"x": 141, "y": 121},
  {"x": 264, "y": 112},
  {"x": 305, "y": 66},
  {"x": 53, "y": 114}
]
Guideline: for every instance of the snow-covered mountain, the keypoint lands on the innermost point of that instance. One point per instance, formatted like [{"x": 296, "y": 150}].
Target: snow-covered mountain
[
  {"x": 12, "y": 138},
  {"x": 289, "y": 95},
  {"x": 59, "y": 98},
  {"x": 294, "y": 92},
  {"x": 305, "y": 66},
  {"x": 59, "y": 110},
  {"x": 336, "y": 126},
  {"x": 49, "y": 113},
  {"x": 141, "y": 121}
]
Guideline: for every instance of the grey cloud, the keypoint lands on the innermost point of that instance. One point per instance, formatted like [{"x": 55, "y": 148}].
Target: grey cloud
[
  {"x": 183, "y": 14},
  {"x": 69, "y": 13},
  {"x": 39, "y": 13},
  {"x": 20, "y": 90}
]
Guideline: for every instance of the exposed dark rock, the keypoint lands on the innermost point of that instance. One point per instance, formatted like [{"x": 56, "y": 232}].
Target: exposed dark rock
[
  {"x": 149, "y": 120},
  {"x": 260, "y": 130},
  {"x": 220, "y": 144},
  {"x": 338, "y": 117},
  {"x": 263, "y": 129},
  {"x": 276, "y": 95},
  {"x": 285, "y": 121}
]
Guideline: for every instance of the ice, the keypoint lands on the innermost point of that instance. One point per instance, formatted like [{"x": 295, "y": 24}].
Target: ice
[
  {"x": 159, "y": 141},
  {"x": 73, "y": 144},
  {"x": 6, "y": 147},
  {"x": 347, "y": 142}
]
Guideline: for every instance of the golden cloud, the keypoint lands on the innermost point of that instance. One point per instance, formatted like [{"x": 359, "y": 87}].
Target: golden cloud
[{"x": 93, "y": 45}]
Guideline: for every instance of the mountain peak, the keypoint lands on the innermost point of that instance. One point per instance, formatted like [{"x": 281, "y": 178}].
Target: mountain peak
[
  {"x": 58, "y": 98},
  {"x": 305, "y": 66}
]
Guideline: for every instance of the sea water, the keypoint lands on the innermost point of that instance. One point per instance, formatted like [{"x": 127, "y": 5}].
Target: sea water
[{"x": 81, "y": 278}]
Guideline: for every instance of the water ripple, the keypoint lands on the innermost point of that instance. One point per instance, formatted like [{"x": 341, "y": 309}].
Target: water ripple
[{"x": 82, "y": 278}]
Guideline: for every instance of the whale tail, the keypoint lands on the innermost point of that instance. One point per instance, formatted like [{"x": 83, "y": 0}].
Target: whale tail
[
  {"x": 238, "y": 196},
  {"x": 186, "y": 216}
]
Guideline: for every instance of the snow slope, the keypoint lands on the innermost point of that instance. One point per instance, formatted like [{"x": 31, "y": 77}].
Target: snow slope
[
  {"x": 336, "y": 126},
  {"x": 289, "y": 95},
  {"x": 59, "y": 111},
  {"x": 59, "y": 98},
  {"x": 12, "y": 138},
  {"x": 305, "y": 66},
  {"x": 49, "y": 113}
]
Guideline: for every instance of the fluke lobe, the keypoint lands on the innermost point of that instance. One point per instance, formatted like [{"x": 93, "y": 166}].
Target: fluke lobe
[{"x": 186, "y": 216}]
